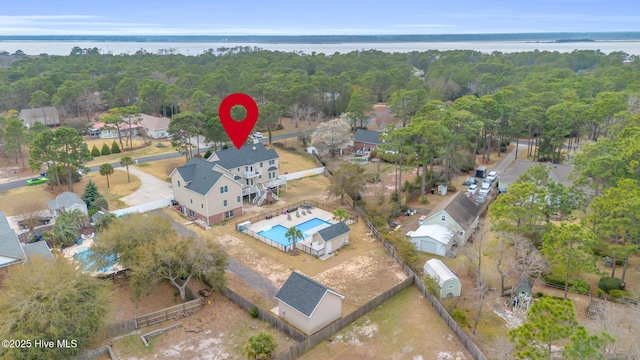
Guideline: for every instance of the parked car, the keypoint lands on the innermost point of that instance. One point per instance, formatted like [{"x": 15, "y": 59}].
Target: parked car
[
  {"x": 36, "y": 181},
  {"x": 470, "y": 181},
  {"x": 486, "y": 185},
  {"x": 480, "y": 199},
  {"x": 257, "y": 135},
  {"x": 473, "y": 189},
  {"x": 493, "y": 175}
]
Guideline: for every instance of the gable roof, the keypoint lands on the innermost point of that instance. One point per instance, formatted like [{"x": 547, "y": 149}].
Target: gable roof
[
  {"x": 11, "y": 251},
  {"x": 46, "y": 115},
  {"x": 39, "y": 248},
  {"x": 199, "y": 175},
  {"x": 303, "y": 293},
  {"x": 434, "y": 231},
  {"x": 460, "y": 208},
  {"x": 437, "y": 269},
  {"x": 557, "y": 172},
  {"x": 248, "y": 154},
  {"x": 367, "y": 136},
  {"x": 65, "y": 200},
  {"x": 154, "y": 122},
  {"x": 333, "y": 231}
]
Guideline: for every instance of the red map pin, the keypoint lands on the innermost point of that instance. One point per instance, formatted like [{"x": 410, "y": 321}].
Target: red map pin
[{"x": 238, "y": 131}]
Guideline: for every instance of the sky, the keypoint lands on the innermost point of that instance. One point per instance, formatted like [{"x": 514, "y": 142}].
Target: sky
[{"x": 320, "y": 17}]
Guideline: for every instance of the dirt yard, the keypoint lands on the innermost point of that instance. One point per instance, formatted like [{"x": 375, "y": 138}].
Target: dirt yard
[
  {"x": 405, "y": 327},
  {"x": 224, "y": 328},
  {"x": 125, "y": 306}
]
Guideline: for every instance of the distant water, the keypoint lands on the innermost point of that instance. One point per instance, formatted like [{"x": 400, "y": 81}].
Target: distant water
[{"x": 56, "y": 47}]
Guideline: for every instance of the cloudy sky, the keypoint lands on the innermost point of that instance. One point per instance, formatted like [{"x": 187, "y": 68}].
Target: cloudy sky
[{"x": 320, "y": 17}]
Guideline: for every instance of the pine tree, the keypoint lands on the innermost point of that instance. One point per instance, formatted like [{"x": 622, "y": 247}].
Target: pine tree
[
  {"x": 90, "y": 193},
  {"x": 115, "y": 149},
  {"x": 94, "y": 151},
  {"x": 105, "y": 150}
]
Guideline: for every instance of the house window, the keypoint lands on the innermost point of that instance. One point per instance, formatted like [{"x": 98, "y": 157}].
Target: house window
[
  {"x": 224, "y": 189},
  {"x": 201, "y": 206},
  {"x": 178, "y": 183},
  {"x": 460, "y": 233},
  {"x": 224, "y": 203},
  {"x": 272, "y": 162},
  {"x": 261, "y": 164},
  {"x": 247, "y": 181},
  {"x": 451, "y": 286},
  {"x": 228, "y": 214},
  {"x": 443, "y": 218},
  {"x": 191, "y": 201},
  {"x": 237, "y": 198},
  {"x": 246, "y": 168}
]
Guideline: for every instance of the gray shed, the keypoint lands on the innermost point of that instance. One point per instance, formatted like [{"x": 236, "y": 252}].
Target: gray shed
[{"x": 450, "y": 285}]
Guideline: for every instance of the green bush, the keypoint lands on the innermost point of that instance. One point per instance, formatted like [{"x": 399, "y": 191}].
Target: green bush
[
  {"x": 115, "y": 149},
  {"x": 608, "y": 283},
  {"x": 409, "y": 186},
  {"x": 577, "y": 285},
  {"x": 451, "y": 188},
  {"x": 105, "y": 150},
  {"x": 253, "y": 312},
  {"x": 94, "y": 151},
  {"x": 460, "y": 317}
]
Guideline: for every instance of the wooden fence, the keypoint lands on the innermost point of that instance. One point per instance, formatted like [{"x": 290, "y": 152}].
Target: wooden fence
[
  {"x": 173, "y": 312},
  {"x": 265, "y": 315},
  {"x": 464, "y": 338},
  {"x": 124, "y": 327}
]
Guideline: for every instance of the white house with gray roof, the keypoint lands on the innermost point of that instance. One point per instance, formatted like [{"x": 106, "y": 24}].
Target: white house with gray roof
[
  {"x": 330, "y": 238},
  {"x": 11, "y": 252},
  {"x": 434, "y": 239},
  {"x": 307, "y": 304},
  {"x": 67, "y": 201}
]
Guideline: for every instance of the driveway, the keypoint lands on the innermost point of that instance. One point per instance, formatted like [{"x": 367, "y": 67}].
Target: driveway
[{"x": 151, "y": 188}]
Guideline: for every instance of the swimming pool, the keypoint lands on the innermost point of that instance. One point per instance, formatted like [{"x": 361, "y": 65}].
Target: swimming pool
[
  {"x": 308, "y": 228},
  {"x": 83, "y": 255}
]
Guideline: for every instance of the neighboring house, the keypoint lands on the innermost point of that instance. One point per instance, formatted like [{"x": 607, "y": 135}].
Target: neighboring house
[
  {"x": 331, "y": 238},
  {"x": 155, "y": 127},
  {"x": 39, "y": 248},
  {"x": 458, "y": 214},
  {"x": 206, "y": 191},
  {"x": 67, "y": 201},
  {"x": 47, "y": 115},
  {"x": 108, "y": 131},
  {"x": 434, "y": 239},
  {"x": 450, "y": 285},
  {"x": 11, "y": 252},
  {"x": 557, "y": 172},
  {"x": 366, "y": 139},
  {"x": 307, "y": 304}
]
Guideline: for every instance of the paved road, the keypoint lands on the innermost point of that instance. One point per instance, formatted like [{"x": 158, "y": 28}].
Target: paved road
[
  {"x": 20, "y": 183},
  {"x": 508, "y": 159},
  {"x": 254, "y": 280}
]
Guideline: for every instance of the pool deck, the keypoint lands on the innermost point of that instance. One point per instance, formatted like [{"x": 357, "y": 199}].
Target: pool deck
[
  {"x": 282, "y": 220},
  {"x": 87, "y": 243}
]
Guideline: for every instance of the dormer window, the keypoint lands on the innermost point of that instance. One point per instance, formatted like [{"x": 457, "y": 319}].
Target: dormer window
[{"x": 443, "y": 218}]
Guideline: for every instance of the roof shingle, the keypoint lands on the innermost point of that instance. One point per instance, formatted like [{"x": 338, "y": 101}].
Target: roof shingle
[
  {"x": 460, "y": 208},
  {"x": 302, "y": 293},
  {"x": 334, "y": 231}
]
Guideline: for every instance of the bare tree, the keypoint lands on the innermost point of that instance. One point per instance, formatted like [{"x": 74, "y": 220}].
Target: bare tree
[
  {"x": 30, "y": 213},
  {"x": 502, "y": 348},
  {"x": 623, "y": 323},
  {"x": 473, "y": 253},
  {"x": 334, "y": 134}
]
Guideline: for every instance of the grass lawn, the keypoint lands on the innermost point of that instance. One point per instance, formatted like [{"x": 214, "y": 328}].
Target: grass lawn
[
  {"x": 404, "y": 327},
  {"x": 161, "y": 168},
  {"x": 12, "y": 201},
  {"x": 146, "y": 151}
]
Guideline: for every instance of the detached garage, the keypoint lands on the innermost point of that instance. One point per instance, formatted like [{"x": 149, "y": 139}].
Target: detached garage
[
  {"x": 449, "y": 283},
  {"x": 433, "y": 239}
]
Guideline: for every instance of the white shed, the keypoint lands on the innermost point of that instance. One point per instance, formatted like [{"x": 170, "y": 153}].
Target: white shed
[
  {"x": 449, "y": 283},
  {"x": 433, "y": 239}
]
